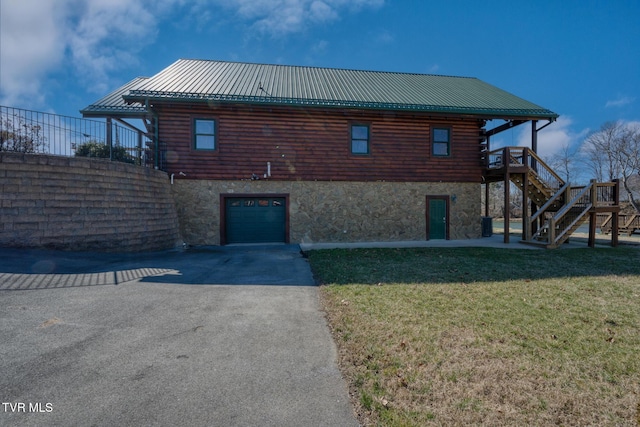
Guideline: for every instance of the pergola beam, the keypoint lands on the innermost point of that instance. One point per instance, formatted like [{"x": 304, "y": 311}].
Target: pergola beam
[{"x": 510, "y": 124}]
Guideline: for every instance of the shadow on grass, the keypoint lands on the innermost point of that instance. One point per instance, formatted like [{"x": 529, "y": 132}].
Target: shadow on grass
[{"x": 468, "y": 265}]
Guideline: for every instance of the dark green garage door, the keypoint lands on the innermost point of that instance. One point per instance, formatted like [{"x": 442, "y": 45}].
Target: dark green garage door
[{"x": 255, "y": 219}]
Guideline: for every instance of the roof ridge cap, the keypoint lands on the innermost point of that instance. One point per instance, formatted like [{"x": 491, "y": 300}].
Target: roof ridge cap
[{"x": 315, "y": 67}]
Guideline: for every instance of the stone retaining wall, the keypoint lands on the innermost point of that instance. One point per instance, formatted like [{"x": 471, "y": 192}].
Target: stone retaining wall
[
  {"x": 323, "y": 211},
  {"x": 84, "y": 204}
]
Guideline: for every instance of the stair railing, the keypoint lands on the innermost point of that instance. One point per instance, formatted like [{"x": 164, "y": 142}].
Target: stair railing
[
  {"x": 543, "y": 171},
  {"x": 544, "y": 208},
  {"x": 583, "y": 200}
]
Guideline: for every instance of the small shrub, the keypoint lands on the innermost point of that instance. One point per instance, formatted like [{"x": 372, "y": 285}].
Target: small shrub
[
  {"x": 19, "y": 135},
  {"x": 117, "y": 153}
]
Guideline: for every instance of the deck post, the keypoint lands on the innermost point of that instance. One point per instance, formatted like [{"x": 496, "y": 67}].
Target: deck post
[
  {"x": 592, "y": 229},
  {"x": 615, "y": 217},
  {"x": 526, "y": 226},
  {"x": 534, "y": 143},
  {"x": 507, "y": 203},
  {"x": 533, "y": 165},
  {"x": 592, "y": 213},
  {"x": 486, "y": 199}
]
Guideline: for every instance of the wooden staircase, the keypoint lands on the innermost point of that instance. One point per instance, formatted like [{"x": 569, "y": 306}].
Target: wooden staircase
[
  {"x": 538, "y": 190},
  {"x": 557, "y": 209}
]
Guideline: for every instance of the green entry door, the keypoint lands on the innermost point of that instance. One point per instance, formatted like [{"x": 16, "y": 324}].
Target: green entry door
[
  {"x": 255, "y": 220},
  {"x": 437, "y": 218}
]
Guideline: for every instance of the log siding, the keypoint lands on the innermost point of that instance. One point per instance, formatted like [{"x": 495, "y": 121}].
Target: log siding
[{"x": 307, "y": 144}]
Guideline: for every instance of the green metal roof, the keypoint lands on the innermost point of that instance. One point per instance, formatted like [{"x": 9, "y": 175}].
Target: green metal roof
[
  {"x": 205, "y": 80},
  {"x": 114, "y": 103}
]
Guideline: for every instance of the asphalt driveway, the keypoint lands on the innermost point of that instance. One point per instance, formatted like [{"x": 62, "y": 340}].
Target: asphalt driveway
[{"x": 210, "y": 337}]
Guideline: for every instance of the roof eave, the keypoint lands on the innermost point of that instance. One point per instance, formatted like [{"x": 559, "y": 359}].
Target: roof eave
[
  {"x": 98, "y": 112},
  {"x": 482, "y": 113}
]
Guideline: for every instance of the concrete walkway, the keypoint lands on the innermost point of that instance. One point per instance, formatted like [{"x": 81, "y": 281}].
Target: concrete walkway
[
  {"x": 578, "y": 240},
  {"x": 495, "y": 241},
  {"x": 210, "y": 337}
]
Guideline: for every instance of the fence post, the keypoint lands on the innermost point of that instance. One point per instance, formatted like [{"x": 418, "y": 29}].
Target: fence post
[
  {"x": 110, "y": 137},
  {"x": 139, "y": 160}
]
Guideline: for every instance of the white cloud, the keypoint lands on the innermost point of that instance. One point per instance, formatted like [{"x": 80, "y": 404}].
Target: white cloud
[
  {"x": 282, "y": 17},
  {"x": 30, "y": 46},
  {"x": 619, "y": 102},
  {"x": 91, "y": 37},
  {"x": 105, "y": 35},
  {"x": 554, "y": 138}
]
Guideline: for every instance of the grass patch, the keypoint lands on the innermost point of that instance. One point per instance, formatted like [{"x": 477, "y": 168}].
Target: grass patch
[{"x": 463, "y": 336}]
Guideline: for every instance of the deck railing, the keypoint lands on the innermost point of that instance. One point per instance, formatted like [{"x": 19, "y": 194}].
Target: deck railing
[
  {"x": 27, "y": 131},
  {"x": 523, "y": 156},
  {"x": 628, "y": 223},
  {"x": 570, "y": 214}
]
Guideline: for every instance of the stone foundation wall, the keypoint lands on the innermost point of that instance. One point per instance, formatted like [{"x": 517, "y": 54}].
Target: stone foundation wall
[
  {"x": 84, "y": 204},
  {"x": 322, "y": 211}
]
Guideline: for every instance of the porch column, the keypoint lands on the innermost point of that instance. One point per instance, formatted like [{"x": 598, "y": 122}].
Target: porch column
[{"x": 534, "y": 166}]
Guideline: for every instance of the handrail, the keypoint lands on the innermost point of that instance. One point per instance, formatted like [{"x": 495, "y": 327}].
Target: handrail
[
  {"x": 550, "y": 202},
  {"x": 565, "y": 209},
  {"x": 573, "y": 201},
  {"x": 544, "y": 186},
  {"x": 570, "y": 226},
  {"x": 523, "y": 156},
  {"x": 546, "y": 167},
  {"x": 604, "y": 197},
  {"x": 495, "y": 158}
]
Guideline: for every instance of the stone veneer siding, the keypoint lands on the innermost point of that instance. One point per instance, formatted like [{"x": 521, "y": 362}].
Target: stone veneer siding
[
  {"x": 84, "y": 204},
  {"x": 321, "y": 211}
]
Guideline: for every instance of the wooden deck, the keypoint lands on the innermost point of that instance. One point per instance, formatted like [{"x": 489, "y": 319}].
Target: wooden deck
[
  {"x": 555, "y": 209},
  {"x": 627, "y": 224}
]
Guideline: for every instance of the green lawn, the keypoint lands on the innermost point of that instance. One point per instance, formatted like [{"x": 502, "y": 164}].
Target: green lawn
[{"x": 486, "y": 336}]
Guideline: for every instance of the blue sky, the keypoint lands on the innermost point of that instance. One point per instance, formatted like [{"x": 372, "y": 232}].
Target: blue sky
[{"x": 580, "y": 59}]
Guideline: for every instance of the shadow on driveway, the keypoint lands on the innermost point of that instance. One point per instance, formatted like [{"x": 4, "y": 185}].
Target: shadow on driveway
[
  {"x": 146, "y": 352},
  {"x": 283, "y": 265}
]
